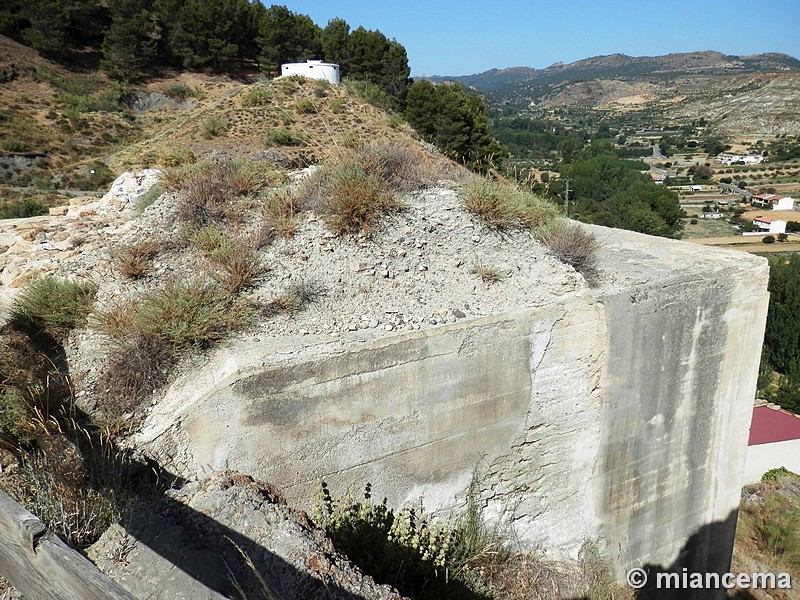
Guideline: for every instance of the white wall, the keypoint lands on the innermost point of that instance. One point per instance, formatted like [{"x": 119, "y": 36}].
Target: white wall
[{"x": 763, "y": 457}]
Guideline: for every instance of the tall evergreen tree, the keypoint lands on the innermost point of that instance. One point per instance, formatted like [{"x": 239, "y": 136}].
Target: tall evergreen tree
[
  {"x": 335, "y": 41},
  {"x": 47, "y": 26},
  {"x": 205, "y": 33},
  {"x": 365, "y": 54},
  {"x": 287, "y": 37},
  {"x": 130, "y": 42},
  {"x": 456, "y": 121},
  {"x": 395, "y": 77}
]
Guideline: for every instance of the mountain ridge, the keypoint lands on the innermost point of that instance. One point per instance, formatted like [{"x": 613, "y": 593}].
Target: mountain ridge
[{"x": 705, "y": 61}]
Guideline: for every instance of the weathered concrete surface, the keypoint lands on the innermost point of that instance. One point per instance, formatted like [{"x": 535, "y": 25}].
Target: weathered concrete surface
[{"x": 620, "y": 412}]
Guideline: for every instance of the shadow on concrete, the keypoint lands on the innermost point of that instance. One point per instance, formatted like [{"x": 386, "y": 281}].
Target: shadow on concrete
[
  {"x": 709, "y": 550},
  {"x": 223, "y": 562}
]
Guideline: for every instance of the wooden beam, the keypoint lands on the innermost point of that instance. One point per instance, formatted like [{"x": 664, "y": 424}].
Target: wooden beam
[{"x": 41, "y": 566}]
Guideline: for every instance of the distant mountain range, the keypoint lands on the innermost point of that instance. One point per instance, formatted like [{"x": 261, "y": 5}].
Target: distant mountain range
[
  {"x": 621, "y": 65},
  {"x": 755, "y": 95}
]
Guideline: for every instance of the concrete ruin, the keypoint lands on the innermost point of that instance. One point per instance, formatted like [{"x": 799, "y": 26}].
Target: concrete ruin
[{"x": 618, "y": 413}]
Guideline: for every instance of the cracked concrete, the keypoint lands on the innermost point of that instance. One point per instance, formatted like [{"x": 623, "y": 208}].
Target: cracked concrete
[{"x": 618, "y": 413}]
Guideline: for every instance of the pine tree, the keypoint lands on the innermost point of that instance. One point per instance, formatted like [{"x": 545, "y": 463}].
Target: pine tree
[
  {"x": 287, "y": 37},
  {"x": 335, "y": 42},
  {"x": 47, "y": 29},
  {"x": 129, "y": 43},
  {"x": 395, "y": 76}
]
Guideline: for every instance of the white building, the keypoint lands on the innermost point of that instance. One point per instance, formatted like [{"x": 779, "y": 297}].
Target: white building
[
  {"x": 776, "y": 201},
  {"x": 774, "y": 442},
  {"x": 313, "y": 69},
  {"x": 770, "y": 225},
  {"x": 747, "y": 159}
]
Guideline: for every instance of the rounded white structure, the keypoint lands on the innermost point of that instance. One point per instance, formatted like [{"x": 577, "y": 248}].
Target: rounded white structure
[{"x": 313, "y": 69}]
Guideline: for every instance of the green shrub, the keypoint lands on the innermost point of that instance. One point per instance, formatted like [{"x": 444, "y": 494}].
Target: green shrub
[
  {"x": 95, "y": 176},
  {"x": 213, "y": 126},
  {"x": 283, "y": 137},
  {"x": 22, "y": 208},
  {"x": 306, "y": 106},
  {"x": 149, "y": 197},
  {"x": 336, "y": 105},
  {"x": 401, "y": 548},
  {"x": 12, "y": 145},
  {"x": 779, "y": 473},
  {"x": 107, "y": 100},
  {"x": 768, "y": 239},
  {"x": 368, "y": 91},
  {"x": 179, "y": 91},
  {"x": 185, "y": 314},
  {"x": 397, "y": 121},
  {"x": 257, "y": 97},
  {"x": 177, "y": 157},
  {"x": 52, "y": 306}
]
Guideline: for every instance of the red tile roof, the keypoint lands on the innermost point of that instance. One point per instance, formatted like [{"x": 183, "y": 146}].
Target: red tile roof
[
  {"x": 770, "y": 425},
  {"x": 763, "y": 220}
]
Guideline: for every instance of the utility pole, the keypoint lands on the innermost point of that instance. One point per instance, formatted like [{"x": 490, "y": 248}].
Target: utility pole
[{"x": 566, "y": 200}]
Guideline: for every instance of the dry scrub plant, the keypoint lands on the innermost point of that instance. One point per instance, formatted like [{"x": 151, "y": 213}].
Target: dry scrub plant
[
  {"x": 52, "y": 306},
  {"x": 504, "y": 206},
  {"x": 237, "y": 265},
  {"x": 570, "y": 244},
  {"x": 279, "y": 212},
  {"x": 353, "y": 189},
  {"x": 487, "y": 273},
  {"x": 209, "y": 191},
  {"x": 152, "y": 331},
  {"x": 133, "y": 262}
]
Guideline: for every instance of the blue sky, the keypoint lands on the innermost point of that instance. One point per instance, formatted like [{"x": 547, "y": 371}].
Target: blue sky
[{"x": 469, "y": 36}]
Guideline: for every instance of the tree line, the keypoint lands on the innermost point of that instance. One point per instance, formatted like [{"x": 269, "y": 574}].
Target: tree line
[
  {"x": 136, "y": 36},
  {"x": 781, "y": 352}
]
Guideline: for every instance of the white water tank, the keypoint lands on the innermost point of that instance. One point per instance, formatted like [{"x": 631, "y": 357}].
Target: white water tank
[{"x": 313, "y": 69}]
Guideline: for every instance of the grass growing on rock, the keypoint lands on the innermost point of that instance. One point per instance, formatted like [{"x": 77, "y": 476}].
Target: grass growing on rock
[
  {"x": 354, "y": 189},
  {"x": 572, "y": 245},
  {"x": 237, "y": 265},
  {"x": 503, "y": 206},
  {"x": 133, "y": 262},
  {"x": 188, "y": 314},
  {"x": 52, "y": 306}
]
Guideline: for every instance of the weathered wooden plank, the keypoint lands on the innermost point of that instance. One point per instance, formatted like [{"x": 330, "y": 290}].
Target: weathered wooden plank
[{"x": 41, "y": 566}]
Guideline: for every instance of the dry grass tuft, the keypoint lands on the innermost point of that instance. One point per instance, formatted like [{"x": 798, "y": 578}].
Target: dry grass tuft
[
  {"x": 237, "y": 264},
  {"x": 279, "y": 213},
  {"x": 571, "y": 245},
  {"x": 52, "y": 306},
  {"x": 503, "y": 206},
  {"x": 294, "y": 298},
  {"x": 487, "y": 273},
  {"x": 133, "y": 262},
  {"x": 138, "y": 365},
  {"x": 354, "y": 188}
]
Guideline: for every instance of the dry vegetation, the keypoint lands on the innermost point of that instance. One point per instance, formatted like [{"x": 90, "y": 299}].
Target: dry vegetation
[{"x": 503, "y": 206}]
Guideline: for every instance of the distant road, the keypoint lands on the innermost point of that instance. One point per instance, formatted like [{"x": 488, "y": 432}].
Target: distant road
[
  {"x": 657, "y": 152},
  {"x": 735, "y": 190}
]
